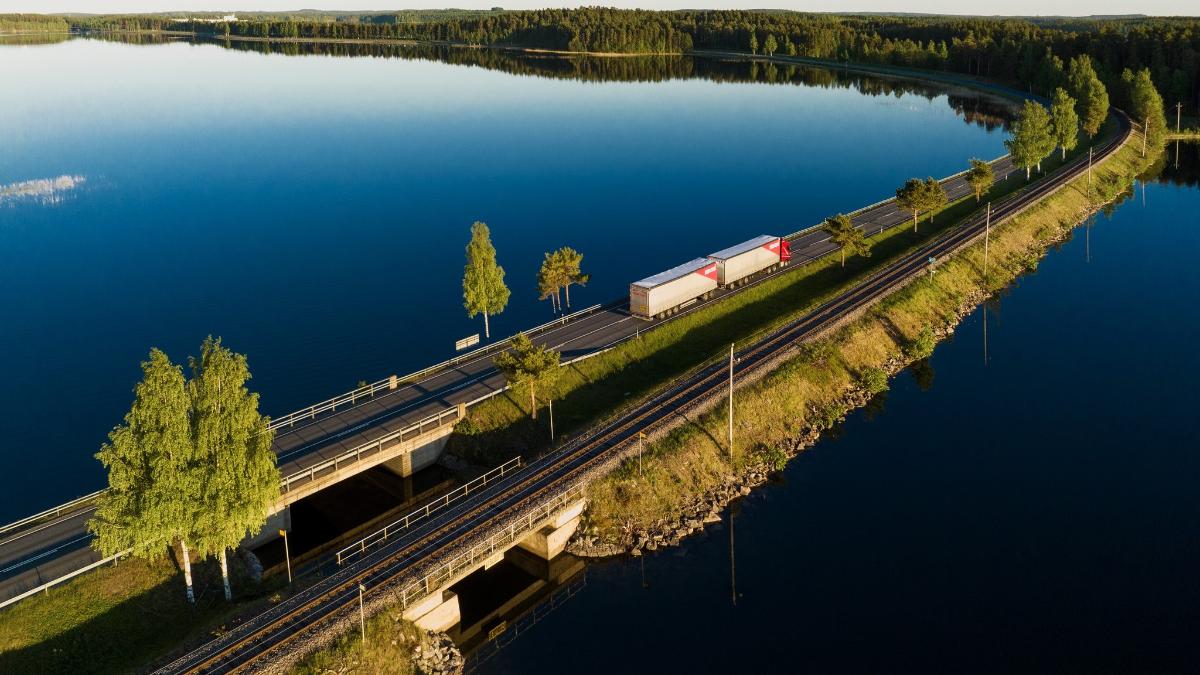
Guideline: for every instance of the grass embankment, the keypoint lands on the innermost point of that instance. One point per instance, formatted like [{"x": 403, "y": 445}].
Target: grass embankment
[
  {"x": 389, "y": 649},
  {"x": 809, "y": 391},
  {"x": 589, "y": 390},
  {"x": 118, "y": 618}
]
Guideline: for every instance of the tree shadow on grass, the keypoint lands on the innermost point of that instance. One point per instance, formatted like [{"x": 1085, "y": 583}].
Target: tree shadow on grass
[{"x": 132, "y": 633}]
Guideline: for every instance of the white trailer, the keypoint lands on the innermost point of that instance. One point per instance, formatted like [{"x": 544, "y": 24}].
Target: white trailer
[
  {"x": 669, "y": 291},
  {"x": 738, "y": 262}
]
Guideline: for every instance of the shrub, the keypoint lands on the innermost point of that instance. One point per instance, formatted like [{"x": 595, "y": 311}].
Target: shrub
[
  {"x": 874, "y": 380},
  {"x": 922, "y": 346},
  {"x": 774, "y": 456}
]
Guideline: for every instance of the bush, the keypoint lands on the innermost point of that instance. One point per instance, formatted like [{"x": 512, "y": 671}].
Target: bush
[
  {"x": 774, "y": 456},
  {"x": 874, "y": 380},
  {"x": 467, "y": 427},
  {"x": 922, "y": 346}
]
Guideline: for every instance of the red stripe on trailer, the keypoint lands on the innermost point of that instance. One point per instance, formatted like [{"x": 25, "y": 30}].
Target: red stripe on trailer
[
  {"x": 772, "y": 246},
  {"x": 709, "y": 271}
]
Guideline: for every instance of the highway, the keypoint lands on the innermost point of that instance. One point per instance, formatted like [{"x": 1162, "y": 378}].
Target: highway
[
  {"x": 557, "y": 471},
  {"x": 47, "y": 550}
]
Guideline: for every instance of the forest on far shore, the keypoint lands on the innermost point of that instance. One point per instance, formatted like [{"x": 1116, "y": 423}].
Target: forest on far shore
[{"x": 1030, "y": 52}]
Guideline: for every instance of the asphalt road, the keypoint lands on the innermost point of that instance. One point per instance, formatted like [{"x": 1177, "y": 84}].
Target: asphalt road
[
  {"x": 339, "y": 592},
  {"x": 47, "y": 550}
]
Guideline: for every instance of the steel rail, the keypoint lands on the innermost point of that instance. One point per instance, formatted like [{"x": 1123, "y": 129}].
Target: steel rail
[{"x": 577, "y": 457}]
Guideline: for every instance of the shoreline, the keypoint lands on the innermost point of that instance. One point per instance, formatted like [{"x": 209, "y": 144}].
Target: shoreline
[{"x": 598, "y": 535}]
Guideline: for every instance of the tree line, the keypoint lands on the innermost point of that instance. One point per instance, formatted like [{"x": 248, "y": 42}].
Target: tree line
[
  {"x": 1031, "y": 53},
  {"x": 32, "y": 23}
]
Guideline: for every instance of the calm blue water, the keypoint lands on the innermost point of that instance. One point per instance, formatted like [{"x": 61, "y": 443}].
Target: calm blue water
[
  {"x": 313, "y": 211},
  {"x": 1039, "y": 513}
]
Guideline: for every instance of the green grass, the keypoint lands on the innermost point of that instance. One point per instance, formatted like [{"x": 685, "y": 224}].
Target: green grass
[
  {"x": 592, "y": 389},
  {"x": 808, "y": 393},
  {"x": 389, "y": 649},
  {"x": 117, "y": 618}
]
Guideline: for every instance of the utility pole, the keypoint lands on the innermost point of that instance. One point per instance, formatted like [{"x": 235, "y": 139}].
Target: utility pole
[
  {"x": 1178, "y": 113},
  {"x": 987, "y": 231},
  {"x": 985, "y": 354},
  {"x": 731, "y": 405},
  {"x": 287, "y": 555},
  {"x": 1145, "y": 133},
  {"x": 362, "y": 620},
  {"x": 732, "y": 565},
  {"x": 551, "y": 420},
  {"x": 1090, "y": 175}
]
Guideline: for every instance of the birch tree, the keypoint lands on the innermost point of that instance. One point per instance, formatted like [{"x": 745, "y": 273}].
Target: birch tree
[
  {"x": 233, "y": 443},
  {"x": 484, "y": 291},
  {"x": 1031, "y": 135},
  {"x": 154, "y": 480},
  {"x": 1065, "y": 121},
  {"x": 1090, "y": 94}
]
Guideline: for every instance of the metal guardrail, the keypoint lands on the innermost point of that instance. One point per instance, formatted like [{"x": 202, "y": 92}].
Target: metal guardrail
[
  {"x": 369, "y": 449},
  {"x": 51, "y": 513},
  {"x": 495, "y": 346},
  {"x": 517, "y": 529},
  {"x": 393, "y": 381},
  {"x": 66, "y": 577},
  {"x": 350, "y": 397},
  {"x": 379, "y": 537}
]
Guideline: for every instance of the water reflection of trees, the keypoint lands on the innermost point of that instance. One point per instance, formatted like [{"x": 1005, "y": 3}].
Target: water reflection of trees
[
  {"x": 1179, "y": 165},
  {"x": 984, "y": 111}
]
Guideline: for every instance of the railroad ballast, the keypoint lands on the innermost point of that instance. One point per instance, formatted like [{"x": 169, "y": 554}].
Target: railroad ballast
[{"x": 679, "y": 287}]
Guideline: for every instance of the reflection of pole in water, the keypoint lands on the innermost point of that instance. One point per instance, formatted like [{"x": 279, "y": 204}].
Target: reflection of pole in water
[
  {"x": 1176, "y": 154},
  {"x": 985, "y": 354},
  {"x": 732, "y": 566},
  {"x": 643, "y": 559}
]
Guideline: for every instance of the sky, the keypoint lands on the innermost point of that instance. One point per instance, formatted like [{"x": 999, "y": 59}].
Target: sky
[{"x": 974, "y": 7}]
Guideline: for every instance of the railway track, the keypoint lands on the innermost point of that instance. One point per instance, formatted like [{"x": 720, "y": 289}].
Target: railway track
[{"x": 283, "y": 623}]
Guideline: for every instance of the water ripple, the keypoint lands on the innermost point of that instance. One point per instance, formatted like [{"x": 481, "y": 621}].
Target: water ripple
[{"x": 45, "y": 190}]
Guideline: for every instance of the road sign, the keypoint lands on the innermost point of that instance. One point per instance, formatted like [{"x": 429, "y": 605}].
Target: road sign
[{"x": 466, "y": 342}]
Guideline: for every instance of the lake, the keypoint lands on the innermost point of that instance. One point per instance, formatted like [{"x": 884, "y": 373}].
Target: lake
[
  {"x": 1036, "y": 511},
  {"x": 311, "y": 204}
]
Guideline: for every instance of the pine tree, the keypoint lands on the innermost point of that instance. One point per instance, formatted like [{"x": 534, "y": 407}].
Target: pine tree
[
  {"x": 528, "y": 366},
  {"x": 933, "y": 195},
  {"x": 484, "y": 291},
  {"x": 753, "y": 43},
  {"x": 846, "y": 236},
  {"x": 233, "y": 443},
  {"x": 980, "y": 177},
  {"x": 153, "y": 478},
  {"x": 547, "y": 281},
  {"x": 1065, "y": 121},
  {"x": 568, "y": 262}
]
